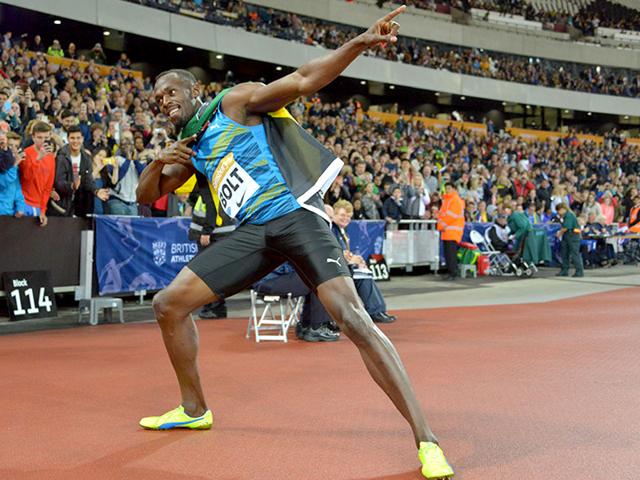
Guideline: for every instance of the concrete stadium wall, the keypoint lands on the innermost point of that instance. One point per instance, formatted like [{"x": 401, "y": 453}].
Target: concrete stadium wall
[{"x": 182, "y": 30}]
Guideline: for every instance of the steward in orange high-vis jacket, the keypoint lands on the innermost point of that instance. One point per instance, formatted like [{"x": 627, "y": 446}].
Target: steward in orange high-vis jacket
[{"x": 451, "y": 227}]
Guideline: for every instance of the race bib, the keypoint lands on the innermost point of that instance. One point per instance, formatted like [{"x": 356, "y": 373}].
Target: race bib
[{"x": 233, "y": 185}]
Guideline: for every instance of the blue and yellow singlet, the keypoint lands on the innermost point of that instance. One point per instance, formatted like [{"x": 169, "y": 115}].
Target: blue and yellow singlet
[{"x": 243, "y": 176}]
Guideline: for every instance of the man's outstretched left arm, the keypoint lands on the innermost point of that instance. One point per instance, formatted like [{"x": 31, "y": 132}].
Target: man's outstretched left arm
[{"x": 314, "y": 75}]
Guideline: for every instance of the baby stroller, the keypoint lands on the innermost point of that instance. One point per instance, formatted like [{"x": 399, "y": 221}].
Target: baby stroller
[{"x": 500, "y": 263}]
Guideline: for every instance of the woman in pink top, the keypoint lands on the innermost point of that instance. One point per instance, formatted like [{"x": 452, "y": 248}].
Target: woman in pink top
[{"x": 607, "y": 208}]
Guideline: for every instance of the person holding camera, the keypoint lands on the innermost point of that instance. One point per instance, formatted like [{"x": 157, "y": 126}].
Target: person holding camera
[
  {"x": 125, "y": 170},
  {"x": 11, "y": 198},
  {"x": 37, "y": 173}
]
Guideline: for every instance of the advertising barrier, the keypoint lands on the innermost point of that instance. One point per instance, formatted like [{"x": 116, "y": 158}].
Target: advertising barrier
[
  {"x": 140, "y": 253},
  {"x": 134, "y": 254}
]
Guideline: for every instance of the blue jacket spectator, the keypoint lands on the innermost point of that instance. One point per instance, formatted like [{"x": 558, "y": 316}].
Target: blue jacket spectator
[{"x": 11, "y": 198}]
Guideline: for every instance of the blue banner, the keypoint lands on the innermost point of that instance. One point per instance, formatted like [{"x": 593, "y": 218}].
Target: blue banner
[
  {"x": 147, "y": 253},
  {"x": 366, "y": 237},
  {"x": 140, "y": 253}
]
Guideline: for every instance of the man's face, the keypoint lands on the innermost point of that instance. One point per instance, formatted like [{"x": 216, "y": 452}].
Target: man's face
[
  {"x": 502, "y": 221},
  {"x": 14, "y": 143},
  {"x": 75, "y": 141},
  {"x": 39, "y": 138},
  {"x": 175, "y": 99},
  {"x": 68, "y": 122},
  {"x": 342, "y": 217}
]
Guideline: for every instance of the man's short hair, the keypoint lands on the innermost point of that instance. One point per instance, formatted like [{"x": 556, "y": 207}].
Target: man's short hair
[
  {"x": 41, "y": 127},
  {"x": 74, "y": 129},
  {"x": 562, "y": 206},
  {"x": 450, "y": 184},
  {"x": 344, "y": 204},
  {"x": 96, "y": 126},
  {"x": 13, "y": 136},
  {"x": 185, "y": 75},
  {"x": 66, "y": 113}
]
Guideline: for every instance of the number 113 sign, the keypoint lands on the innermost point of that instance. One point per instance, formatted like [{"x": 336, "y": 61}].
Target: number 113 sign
[{"x": 29, "y": 294}]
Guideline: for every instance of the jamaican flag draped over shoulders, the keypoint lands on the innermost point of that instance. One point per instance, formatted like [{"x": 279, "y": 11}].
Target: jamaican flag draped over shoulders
[{"x": 307, "y": 166}]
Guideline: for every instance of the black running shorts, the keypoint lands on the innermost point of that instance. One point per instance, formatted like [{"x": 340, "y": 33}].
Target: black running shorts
[{"x": 252, "y": 251}]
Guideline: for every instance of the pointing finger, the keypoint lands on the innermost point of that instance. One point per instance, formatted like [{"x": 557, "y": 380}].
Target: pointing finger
[{"x": 394, "y": 14}]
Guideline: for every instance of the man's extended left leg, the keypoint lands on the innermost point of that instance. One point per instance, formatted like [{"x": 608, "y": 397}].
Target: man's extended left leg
[{"x": 340, "y": 298}]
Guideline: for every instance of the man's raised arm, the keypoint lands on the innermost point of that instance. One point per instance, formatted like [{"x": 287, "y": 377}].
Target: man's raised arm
[{"x": 314, "y": 75}]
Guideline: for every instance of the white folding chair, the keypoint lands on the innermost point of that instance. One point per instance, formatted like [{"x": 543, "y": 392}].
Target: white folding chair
[
  {"x": 485, "y": 248},
  {"x": 279, "y": 314}
]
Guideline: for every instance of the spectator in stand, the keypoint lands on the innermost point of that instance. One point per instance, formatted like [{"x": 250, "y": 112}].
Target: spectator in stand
[
  {"x": 97, "y": 54},
  {"x": 337, "y": 191},
  {"x": 67, "y": 120},
  {"x": 55, "y": 50},
  {"x": 608, "y": 209},
  {"x": 103, "y": 179},
  {"x": 482, "y": 215},
  {"x": 451, "y": 227},
  {"x": 37, "y": 46},
  {"x": 11, "y": 197},
  {"x": 37, "y": 173},
  {"x": 358, "y": 211},
  {"x": 532, "y": 214},
  {"x": 470, "y": 211},
  {"x": 126, "y": 168},
  {"x": 371, "y": 203},
  {"x": 591, "y": 206},
  {"x": 124, "y": 61},
  {"x": 523, "y": 186},
  {"x": 72, "y": 52},
  {"x": 430, "y": 182},
  {"x": 74, "y": 179},
  {"x": 417, "y": 197},
  {"x": 393, "y": 207},
  {"x": 99, "y": 140}
]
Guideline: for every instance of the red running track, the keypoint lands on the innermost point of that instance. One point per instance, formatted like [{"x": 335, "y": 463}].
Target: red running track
[{"x": 520, "y": 392}]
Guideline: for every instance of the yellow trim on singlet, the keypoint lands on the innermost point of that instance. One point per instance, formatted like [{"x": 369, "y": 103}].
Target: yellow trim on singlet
[{"x": 282, "y": 113}]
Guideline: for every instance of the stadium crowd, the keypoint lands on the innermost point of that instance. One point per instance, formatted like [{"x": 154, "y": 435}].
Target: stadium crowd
[
  {"x": 75, "y": 142},
  {"x": 469, "y": 61}
]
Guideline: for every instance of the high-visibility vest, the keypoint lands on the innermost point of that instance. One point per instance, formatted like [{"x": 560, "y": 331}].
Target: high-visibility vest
[
  {"x": 451, "y": 217},
  {"x": 633, "y": 216}
]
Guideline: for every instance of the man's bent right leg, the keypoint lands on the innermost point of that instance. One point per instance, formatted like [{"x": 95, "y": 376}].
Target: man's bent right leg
[{"x": 173, "y": 307}]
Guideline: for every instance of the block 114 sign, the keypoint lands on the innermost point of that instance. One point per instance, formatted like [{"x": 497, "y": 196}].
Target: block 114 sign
[{"x": 29, "y": 294}]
